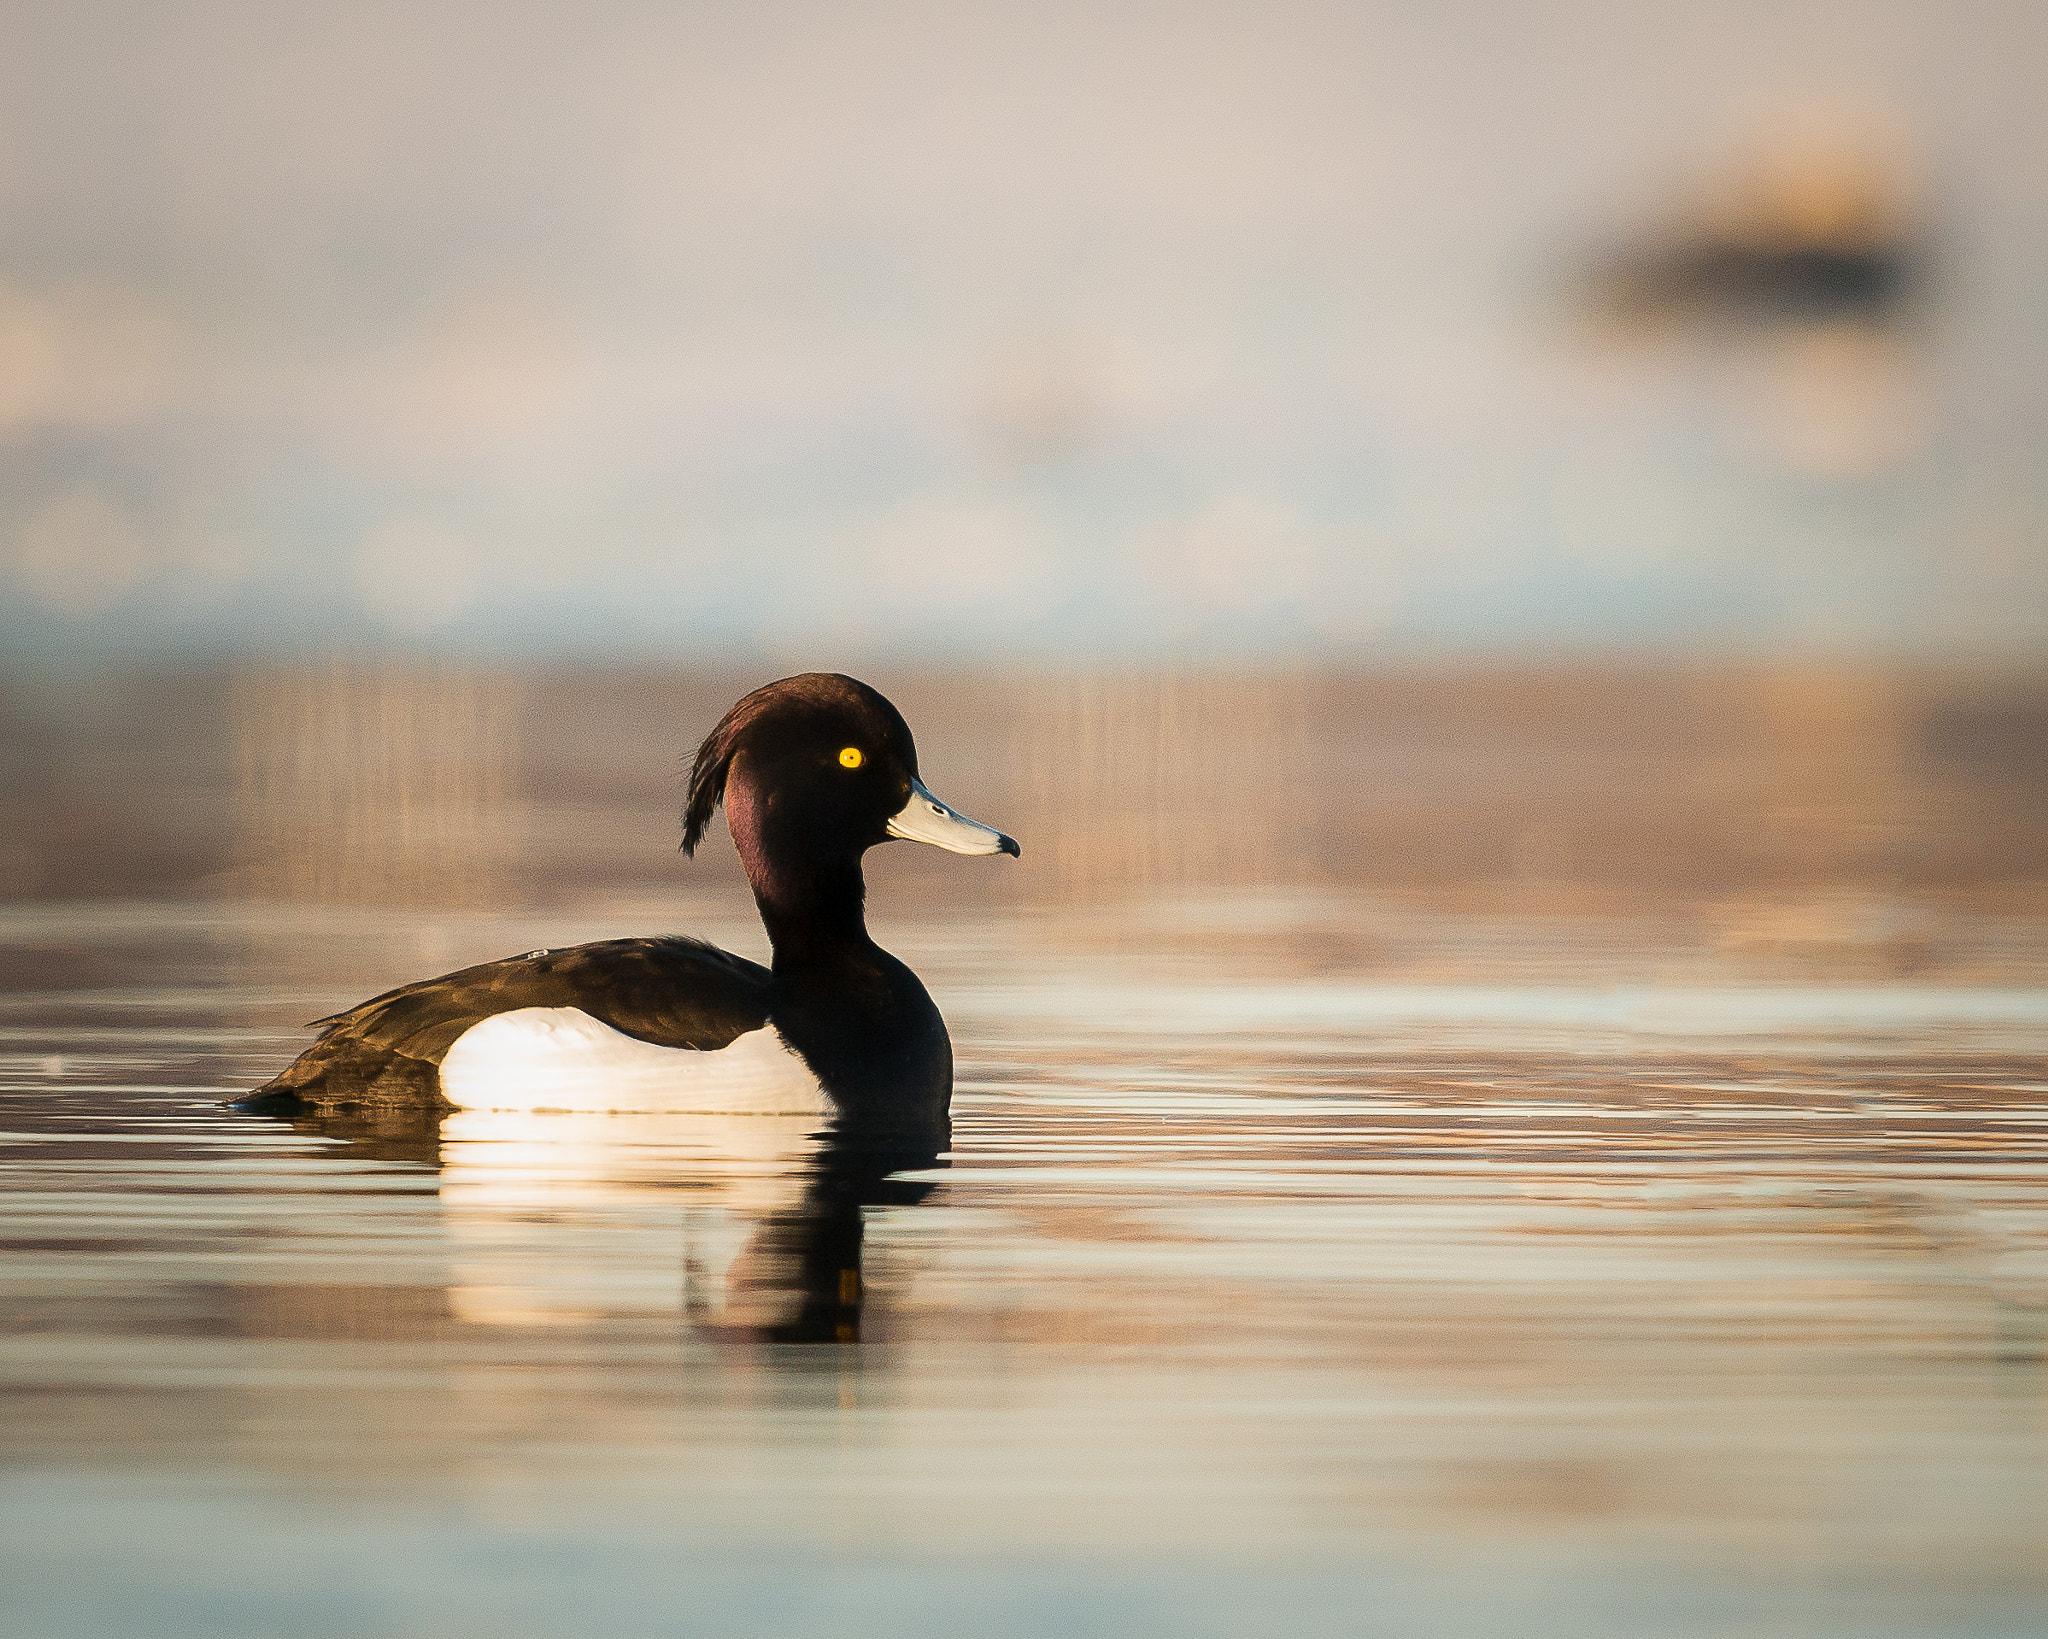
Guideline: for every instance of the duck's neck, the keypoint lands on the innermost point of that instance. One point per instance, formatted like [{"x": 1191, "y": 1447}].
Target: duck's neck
[
  {"x": 813, "y": 904},
  {"x": 816, "y": 917}
]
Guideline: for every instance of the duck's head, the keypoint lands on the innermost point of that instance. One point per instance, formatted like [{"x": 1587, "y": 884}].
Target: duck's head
[{"x": 820, "y": 768}]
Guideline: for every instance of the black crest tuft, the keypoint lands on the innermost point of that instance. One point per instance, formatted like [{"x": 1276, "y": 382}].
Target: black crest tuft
[{"x": 714, "y": 763}]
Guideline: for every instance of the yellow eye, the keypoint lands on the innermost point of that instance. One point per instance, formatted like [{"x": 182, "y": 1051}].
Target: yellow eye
[{"x": 850, "y": 757}]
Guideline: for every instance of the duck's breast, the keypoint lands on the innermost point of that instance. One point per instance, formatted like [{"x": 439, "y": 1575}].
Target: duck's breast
[{"x": 560, "y": 1058}]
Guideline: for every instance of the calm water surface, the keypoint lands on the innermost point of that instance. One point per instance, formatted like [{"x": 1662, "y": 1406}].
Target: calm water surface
[{"x": 1448, "y": 1253}]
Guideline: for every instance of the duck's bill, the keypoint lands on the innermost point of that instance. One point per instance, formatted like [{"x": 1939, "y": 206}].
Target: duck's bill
[{"x": 925, "y": 819}]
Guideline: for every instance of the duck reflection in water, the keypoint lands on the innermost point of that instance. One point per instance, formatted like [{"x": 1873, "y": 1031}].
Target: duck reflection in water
[
  {"x": 799, "y": 1278},
  {"x": 545, "y": 1210},
  {"x": 832, "y": 1066}
]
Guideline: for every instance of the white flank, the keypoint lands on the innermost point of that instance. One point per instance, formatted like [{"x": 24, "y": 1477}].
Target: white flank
[{"x": 562, "y": 1059}]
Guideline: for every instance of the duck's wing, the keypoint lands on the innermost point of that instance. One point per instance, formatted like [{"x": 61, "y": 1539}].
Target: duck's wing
[{"x": 671, "y": 992}]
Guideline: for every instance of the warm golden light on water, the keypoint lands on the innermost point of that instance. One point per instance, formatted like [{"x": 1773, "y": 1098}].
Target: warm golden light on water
[{"x": 1587, "y": 1128}]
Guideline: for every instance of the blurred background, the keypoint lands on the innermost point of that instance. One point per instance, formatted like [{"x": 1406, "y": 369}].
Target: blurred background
[
  {"x": 1535, "y": 445},
  {"x": 815, "y": 333}
]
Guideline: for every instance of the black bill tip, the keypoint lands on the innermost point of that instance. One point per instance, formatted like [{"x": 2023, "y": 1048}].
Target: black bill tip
[{"x": 1008, "y": 845}]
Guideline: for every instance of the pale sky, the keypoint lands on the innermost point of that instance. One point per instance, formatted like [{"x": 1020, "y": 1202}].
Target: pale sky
[{"x": 822, "y": 331}]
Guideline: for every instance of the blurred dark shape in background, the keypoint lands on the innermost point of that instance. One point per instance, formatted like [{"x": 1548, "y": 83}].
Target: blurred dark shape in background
[{"x": 1808, "y": 231}]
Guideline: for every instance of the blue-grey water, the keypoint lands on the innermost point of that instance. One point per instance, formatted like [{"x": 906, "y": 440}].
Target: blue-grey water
[{"x": 1638, "y": 1227}]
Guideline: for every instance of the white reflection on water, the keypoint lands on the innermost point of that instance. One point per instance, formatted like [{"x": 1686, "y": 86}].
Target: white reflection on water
[{"x": 586, "y": 1177}]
